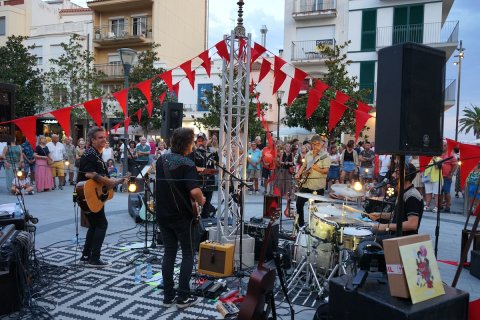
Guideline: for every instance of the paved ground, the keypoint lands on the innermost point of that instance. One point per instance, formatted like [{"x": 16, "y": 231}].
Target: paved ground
[{"x": 55, "y": 212}]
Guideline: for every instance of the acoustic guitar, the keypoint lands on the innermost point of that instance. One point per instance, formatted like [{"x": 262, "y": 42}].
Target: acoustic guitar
[
  {"x": 261, "y": 284},
  {"x": 92, "y": 195}
]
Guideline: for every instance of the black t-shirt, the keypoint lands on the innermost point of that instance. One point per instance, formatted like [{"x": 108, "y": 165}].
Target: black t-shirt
[
  {"x": 91, "y": 161},
  {"x": 205, "y": 159},
  {"x": 413, "y": 206},
  {"x": 43, "y": 152},
  {"x": 174, "y": 204},
  {"x": 348, "y": 156}
]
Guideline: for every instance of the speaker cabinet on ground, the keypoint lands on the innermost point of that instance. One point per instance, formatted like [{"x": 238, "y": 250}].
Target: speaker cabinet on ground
[
  {"x": 172, "y": 117},
  {"x": 216, "y": 259},
  {"x": 410, "y": 100}
]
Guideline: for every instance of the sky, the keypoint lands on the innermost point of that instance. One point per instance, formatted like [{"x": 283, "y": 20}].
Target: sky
[{"x": 223, "y": 15}]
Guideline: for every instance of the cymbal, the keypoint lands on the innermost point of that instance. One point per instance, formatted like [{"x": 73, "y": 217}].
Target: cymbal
[
  {"x": 347, "y": 191},
  {"x": 342, "y": 221},
  {"x": 312, "y": 196}
]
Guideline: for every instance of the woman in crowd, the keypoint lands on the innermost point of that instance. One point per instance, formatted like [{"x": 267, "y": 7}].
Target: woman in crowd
[
  {"x": 432, "y": 177},
  {"x": 348, "y": 162},
  {"x": 472, "y": 180},
  {"x": 132, "y": 156},
  {"x": 161, "y": 149},
  {"x": 43, "y": 172},
  {"x": 287, "y": 169},
  {"x": 79, "y": 151},
  {"x": 12, "y": 153},
  {"x": 334, "y": 172}
]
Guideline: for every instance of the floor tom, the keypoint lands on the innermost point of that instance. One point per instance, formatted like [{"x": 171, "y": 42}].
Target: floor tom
[{"x": 353, "y": 236}]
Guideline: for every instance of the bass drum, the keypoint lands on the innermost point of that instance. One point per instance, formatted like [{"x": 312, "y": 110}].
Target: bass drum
[{"x": 321, "y": 254}]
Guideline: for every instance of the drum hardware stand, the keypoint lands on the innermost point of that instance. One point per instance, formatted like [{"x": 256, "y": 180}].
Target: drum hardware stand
[{"x": 306, "y": 264}]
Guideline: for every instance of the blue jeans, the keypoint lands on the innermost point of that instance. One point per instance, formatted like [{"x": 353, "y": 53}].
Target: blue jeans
[{"x": 172, "y": 233}]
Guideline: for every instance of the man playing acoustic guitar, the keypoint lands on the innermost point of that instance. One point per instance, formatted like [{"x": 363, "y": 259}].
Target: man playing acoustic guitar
[
  {"x": 92, "y": 167},
  {"x": 177, "y": 184},
  {"x": 316, "y": 167}
]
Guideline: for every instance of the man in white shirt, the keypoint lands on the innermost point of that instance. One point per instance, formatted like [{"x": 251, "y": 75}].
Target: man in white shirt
[
  {"x": 57, "y": 154},
  {"x": 107, "y": 153}
]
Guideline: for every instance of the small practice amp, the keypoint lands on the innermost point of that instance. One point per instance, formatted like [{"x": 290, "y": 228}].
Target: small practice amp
[{"x": 216, "y": 259}]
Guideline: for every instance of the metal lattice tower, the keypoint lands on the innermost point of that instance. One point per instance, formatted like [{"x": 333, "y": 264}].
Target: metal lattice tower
[{"x": 233, "y": 133}]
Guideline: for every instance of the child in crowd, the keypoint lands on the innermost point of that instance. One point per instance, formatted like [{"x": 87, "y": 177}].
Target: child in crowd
[{"x": 21, "y": 183}]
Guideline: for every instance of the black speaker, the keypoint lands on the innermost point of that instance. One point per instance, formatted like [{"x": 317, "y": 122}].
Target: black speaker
[
  {"x": 410, "y": 100},
  {"x": 172, "y": 117},
  {"x": 7, "y": 107}
]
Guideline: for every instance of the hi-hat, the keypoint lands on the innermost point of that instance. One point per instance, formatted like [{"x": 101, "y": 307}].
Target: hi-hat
[
  {"x": 346, "y": 190},
  {"x": 311, "y": 196}
]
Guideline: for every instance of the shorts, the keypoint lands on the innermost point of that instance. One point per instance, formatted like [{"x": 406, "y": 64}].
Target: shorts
[
  {"x": 254, "y": 173},
  {"x": 471, "y": 191},
  {"x": 348, "y": 166},
  {"x": 366, "y": 175},
  {"x": 265, "y": 173},
  {"x": 431, "y": 187},
  {"x": 57, "y": 169},
  {"x": 333, "y": 173},
  {"x": 447, "y": 185},
  {"x": 29, "y": 167}
]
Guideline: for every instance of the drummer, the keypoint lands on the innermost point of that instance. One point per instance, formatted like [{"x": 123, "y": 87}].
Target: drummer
[
  {"x": 413, "y": 208},
  {"x": 317, "y": 169}
]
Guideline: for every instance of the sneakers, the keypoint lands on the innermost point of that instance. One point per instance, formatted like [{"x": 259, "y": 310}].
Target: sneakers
[
  {"x": 169, "y": 302},
  {"x": 31, "y": 193},
  {"x": 84, "y": 259},
  {"x": 98, "y": 264},
  {"x": 60, "y": 187},
  {"x": 54, "y": 187},
  {"x": 187, "y": 302},
  {"x": 434, "y": 210}
]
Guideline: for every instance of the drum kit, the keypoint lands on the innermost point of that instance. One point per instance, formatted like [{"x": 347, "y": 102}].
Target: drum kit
[{"x": 325, "y": 247}]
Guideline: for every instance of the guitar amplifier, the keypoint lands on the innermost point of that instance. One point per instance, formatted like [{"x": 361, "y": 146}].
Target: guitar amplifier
[
  {"x": 257, "y": 231},
  {"x": 216, "y": 259}
]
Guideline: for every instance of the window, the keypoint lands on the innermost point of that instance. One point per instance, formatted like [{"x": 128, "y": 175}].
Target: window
[
  {"x": 369, "y": 30},
  {"x": 367, "y": 78},
  {"x": 117, "y": 28},
  {"x": 2, "y": 26},
  {"x": 140, "y": 26},
  {"x": 38, "y": 52},
  {"x": 56, "y": 51},
  {"x": 408, "y": 24}
]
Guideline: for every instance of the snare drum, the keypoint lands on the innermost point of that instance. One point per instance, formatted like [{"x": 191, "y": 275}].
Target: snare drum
[
  {"x": 353, "y": 236},
  {"x": 321, "y": 228},
  {"x": 320, "y": 254}
]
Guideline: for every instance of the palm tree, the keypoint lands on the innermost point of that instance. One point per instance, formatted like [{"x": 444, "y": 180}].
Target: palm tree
[{"x": 471, "y": 121}]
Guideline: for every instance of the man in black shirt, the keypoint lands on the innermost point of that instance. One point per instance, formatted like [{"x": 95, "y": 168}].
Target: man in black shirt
[
  {"x": 92, "y": 167},
  {"x": 413, "y": 208},
  {"x": 176, "y": 184}
]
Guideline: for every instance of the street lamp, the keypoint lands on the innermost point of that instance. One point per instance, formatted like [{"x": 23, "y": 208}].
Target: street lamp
[
  {"x": 127, "y": 56},
  {"x": 280, "y": 94},
  {"x": 458, "y": 63}
]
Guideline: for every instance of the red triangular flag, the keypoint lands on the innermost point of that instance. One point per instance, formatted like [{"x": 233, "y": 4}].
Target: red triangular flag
[
  {"x": 115, "y": 127},
  {"x": 336, "y": 112},
  {"x": 280, "y": 77},
  {"x": 167, "y": 78},
  {"x": 191, "y": 79},
  {"x": 126, "y": 124},
  {"x": 222, "y": 50},
  {"x": 264, "y": 69},
  {"x": 361, "y": 119},
  {"x": 259, "y": 110},
  {"x": 294, "y": 90},
  {"x": 63, "y": 118},
  {"x": 146, "y": 89},
  {"x": 341, "y": 97},
  {"x": 314, "y": 96},
  {"x": 257, "y": 51},
  {"x": 450, "y": 145},
  {"x": 252, "y": 86},
  {"x": 122, "y": 97},
  {"x": 139, "y": 115},
  {"x": 28, "y": 126},
  {"x": 94, "y": 109},
  {"x": 241, "y": 47},
  {"x": 187, "y": 68},
  {"x": 300, "y": 74},
  {"x": 207, "y": 62},
  {"x": 162, "y": 97},
  {"x": 363, "y": 107},
  {"x": 176, "y": 88},
  {"x": 278, "y": 63},
  {"x": 423, "y": 162}
]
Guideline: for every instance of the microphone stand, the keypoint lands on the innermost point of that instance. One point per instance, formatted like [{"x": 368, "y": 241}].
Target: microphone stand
[
  {"x": 243, "y": 185},
  {"x": 148, "y": 194}
]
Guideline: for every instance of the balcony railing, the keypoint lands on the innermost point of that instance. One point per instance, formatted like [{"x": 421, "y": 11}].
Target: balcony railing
[
  {"x": 67, "y": 27},
  {"x": 122, "y": 31},
  {"x": 310, "y": 49},
  {"x": 450, "y": 89},
  {"x": 314, "y": 6},
  {"x": 112, "y": 70},
  {"x": 427, "y": 33}
]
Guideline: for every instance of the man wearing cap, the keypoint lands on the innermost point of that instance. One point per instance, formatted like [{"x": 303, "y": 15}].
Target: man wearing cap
[{"x": 316, "y": 166}]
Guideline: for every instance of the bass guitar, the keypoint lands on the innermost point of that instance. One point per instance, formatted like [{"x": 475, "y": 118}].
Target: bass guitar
[
  {"x": 92, "y": 195},
  {"x": 256, "y": 305},
  {"x": 306, "y": 173}
]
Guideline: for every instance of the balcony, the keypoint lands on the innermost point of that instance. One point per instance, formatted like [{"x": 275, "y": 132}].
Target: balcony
[
  {"x": 105, "y": 6},
  {"x": 442, "y": 36},
  {"x": 310, "y": 50},
  {"x": 60, "y": 28},
  {"x": 113, "y": 71},
  {"x": 122, "y": 34},
  {"x": 314, "y": 9},
  {"x": 450, "y": 93}
]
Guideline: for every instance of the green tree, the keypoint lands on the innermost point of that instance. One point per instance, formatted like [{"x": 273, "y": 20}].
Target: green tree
[
  {"x": 471, "y": 121},
  {"x": 337, "y": 79},
  {"x": 211, "y": 119},
  {"x": 19, "y": 68},
  {"x": 145, "y": 69},
  {"x": 72, "y": 79}
]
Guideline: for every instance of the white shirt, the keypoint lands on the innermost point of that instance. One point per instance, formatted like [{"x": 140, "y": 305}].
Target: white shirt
[
  {"x": 57, "y": 151},
  {"x": 107, "y": 154},
  {"x": 385, "y": 159}
]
